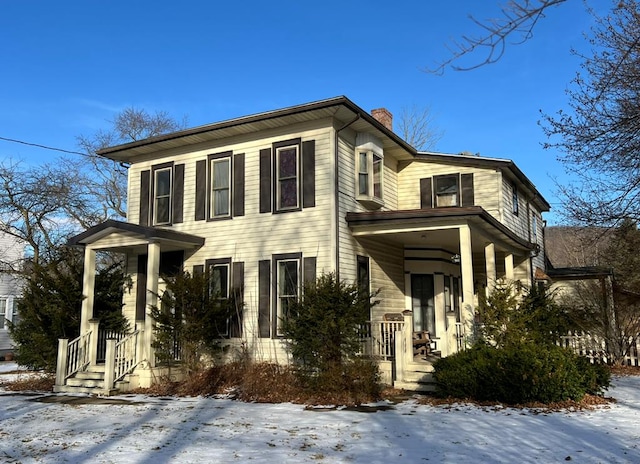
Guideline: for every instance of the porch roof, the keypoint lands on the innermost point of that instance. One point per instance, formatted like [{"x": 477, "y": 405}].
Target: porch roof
[
  {"x": 408, "y": 226},
  {"x": 128, "y": 235}
]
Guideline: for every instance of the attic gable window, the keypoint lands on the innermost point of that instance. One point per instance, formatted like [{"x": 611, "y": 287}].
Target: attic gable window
[{"x": 162, "y": 195}]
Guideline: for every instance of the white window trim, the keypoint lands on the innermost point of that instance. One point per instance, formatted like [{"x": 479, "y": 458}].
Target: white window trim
[
  {"x": 369, "y": 198},
  {"x": 280, "y": 296},
  {"x": 156, "y": 172},
  {"x": 7, "y": 315},
  {"x": 279, "y": 206},
  {"x": 214, "y": 161}
]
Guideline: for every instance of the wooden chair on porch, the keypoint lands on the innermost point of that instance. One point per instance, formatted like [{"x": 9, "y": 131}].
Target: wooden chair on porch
[{"x": 421, "y": 343}]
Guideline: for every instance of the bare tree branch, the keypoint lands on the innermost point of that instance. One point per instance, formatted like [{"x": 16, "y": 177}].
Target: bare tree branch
[
  {"x": 417, "y": 127},
  {"x": 519, "y": 18}
]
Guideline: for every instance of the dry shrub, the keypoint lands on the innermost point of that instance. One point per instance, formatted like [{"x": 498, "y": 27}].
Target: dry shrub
[
  {"x": 261, "y": 383},
  {"x": 32, "y": 382}
]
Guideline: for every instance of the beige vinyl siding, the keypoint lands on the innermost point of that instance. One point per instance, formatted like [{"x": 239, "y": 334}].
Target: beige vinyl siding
[
  {"x": 486, "y": 184},
  {"x": 255, "y": 236},
  {"x": 517, "y": 223}
]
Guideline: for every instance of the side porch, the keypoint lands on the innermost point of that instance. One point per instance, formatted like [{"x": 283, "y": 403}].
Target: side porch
[{"x": 448, "y": 258}]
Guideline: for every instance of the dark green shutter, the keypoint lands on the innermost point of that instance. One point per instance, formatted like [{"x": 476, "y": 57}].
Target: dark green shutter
[
  {"x": 201, "y": 190},
  {"x": 466, "y": 183},
  {"x": 310, "y": 269},
  {"x": 237, "y": 282},
  {"x": 145, "y": 197},
  {"x": 308, "y": 174},
  {"x": 264, "y": 298},
  {"x": 141, "y": 288},
  {"x": 238, "y": 184},
  {"x": 426, "y": 195},
  {"x": 178, "y": 192},
  {"x": 265, "y": 180}
]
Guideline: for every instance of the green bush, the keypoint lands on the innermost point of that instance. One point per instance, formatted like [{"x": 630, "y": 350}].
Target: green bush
[
  {"x": 519, "y": 373},
  {"x": 323, "y": 332}
]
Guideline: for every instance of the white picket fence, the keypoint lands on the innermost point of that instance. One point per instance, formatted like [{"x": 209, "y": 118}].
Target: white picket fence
[{"x": 594, "y": 348}]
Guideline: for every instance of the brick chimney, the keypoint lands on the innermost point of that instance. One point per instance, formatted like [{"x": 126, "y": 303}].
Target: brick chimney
[{"x": 383, "y": 116}]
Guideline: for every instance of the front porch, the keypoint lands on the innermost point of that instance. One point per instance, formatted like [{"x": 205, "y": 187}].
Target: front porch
[{"x": 104, "y": 363}]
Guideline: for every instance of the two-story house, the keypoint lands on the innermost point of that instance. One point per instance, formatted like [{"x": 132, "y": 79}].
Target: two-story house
[
  {"x": 11, "y": 257},
  {"x": 269, "y": 201}
]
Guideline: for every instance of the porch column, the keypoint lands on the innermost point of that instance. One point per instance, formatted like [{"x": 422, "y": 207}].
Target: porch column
[
  {"x": 508, "y": 266},
  {"x": 467, "y": 312},
  {"x": 88, "y": 287},
  {"x": 153, "y": 269},
  {"x": 441, "y": 315},
  {"x": 490, "y": 265}
]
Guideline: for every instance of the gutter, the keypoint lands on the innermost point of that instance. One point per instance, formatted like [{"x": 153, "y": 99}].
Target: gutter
[{"x": 336, "y": 181}]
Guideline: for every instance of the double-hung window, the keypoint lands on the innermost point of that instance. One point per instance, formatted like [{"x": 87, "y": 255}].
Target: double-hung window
[
  {"x": 514, "y": 199},
  {"x": 288, "y": 288},
  {"x": 220, "y": 203},
  {"x": 287, "y": 177},
  {"x": 219, "y": 286},
  {"x": 162, "y": 195},
  {"x": 4, "y": 316},
  {"x": 370, "y": 167},
  {"x": 446, "y": 191}
]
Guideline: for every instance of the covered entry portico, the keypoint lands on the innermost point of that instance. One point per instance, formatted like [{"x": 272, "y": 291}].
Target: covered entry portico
[
  {"x": 147, "y": 250},
  {"x": 450, "y": 255}
]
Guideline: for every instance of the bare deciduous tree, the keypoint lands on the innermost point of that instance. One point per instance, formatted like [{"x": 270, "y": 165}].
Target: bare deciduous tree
[
  {"x": 599, "y": 137},
  {"x": 34, "y": 204},
  {"x": 417, "y": 127},
  {"x": 106, "y": 182},
  {"x": 517, "y": 21}
]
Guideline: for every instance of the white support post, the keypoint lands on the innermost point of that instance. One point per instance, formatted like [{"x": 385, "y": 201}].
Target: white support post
[
  {"x": 93, "y": 341},
  {"x": 441, "y": 315},
  {"x": 61, "y": 364},
  {"x": 508, "y": 266},
  {"x": 153, "y": 269},
  {"x": 110, "y": 365},
  {"x": 88, "y": 287},
  {"x": 490, "y": 265},
  {"x": 467, "y": 312}
]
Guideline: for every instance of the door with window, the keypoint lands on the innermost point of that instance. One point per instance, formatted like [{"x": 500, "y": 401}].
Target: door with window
[{"x": 422, "y": 303}]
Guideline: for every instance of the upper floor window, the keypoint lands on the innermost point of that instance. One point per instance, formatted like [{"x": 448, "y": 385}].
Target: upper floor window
[
  {"x": 514, "y": 199},
  {"x": 287, "y": 177},
  {"x": 446, "y": 191},
  {"x": 534, "y": 227},
  {"x": 162, "y": 195},
  {"x": 288, "y": 288},
  {"x": 370, "y": 175},
  {"x": 220, "y": 203}
]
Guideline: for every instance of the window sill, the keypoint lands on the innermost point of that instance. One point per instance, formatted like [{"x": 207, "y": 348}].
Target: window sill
[{"x": 370, "y": 202}]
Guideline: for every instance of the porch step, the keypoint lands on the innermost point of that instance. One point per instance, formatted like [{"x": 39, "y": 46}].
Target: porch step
[
  {"x": 89, "y": 383},
  {"x": 90, "y": 375},
  {"x": 88, "y": 390}
]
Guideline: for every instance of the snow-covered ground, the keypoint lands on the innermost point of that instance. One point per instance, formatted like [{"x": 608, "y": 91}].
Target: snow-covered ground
[{"x": 141, "y": 429}]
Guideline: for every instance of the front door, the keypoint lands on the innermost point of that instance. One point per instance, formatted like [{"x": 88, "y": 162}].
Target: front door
[{"x": 422, "y": 303}]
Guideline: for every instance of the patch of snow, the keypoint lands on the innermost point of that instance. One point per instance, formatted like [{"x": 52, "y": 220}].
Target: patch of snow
[{"x": 141, "y": 429}]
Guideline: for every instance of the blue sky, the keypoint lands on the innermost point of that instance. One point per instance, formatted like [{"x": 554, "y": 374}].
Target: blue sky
[{"x": 68, "y": 67}]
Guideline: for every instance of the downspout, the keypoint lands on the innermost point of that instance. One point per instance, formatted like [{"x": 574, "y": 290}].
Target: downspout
[{"x": 336, "y": 189}]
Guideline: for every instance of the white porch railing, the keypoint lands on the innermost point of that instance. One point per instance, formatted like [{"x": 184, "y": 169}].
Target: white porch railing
[
  {"x": 78, "y": 354},
  {"x": 380, "y": 335},
  {"x": 120, "y": 359},
  {"x": 594, "y": 348}
]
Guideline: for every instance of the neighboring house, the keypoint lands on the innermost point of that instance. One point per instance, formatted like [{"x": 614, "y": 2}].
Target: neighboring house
[
  {"x": 11, "y": 256},
  {"x": 268, "y": 201}
]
